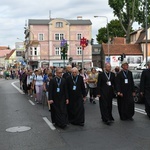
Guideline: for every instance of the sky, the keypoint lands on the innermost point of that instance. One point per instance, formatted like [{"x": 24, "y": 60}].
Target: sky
[{"x": 15, "y": 13}]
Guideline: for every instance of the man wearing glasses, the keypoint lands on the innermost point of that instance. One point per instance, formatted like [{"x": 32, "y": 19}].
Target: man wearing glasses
[{"x": 58, "y": 98}]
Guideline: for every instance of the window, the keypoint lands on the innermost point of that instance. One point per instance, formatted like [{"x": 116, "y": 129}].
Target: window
[
  {"x": 78, "y": 36},
  {"x": 18, "y": 53},
  {"x": 59, "y": 24},
  {"x": 57, "y": 50},
  {"x": 79, "y": 50},
  {"x": 59, "y": 36},
  {"x": 31, "y": 52},
  {"x": 35, "y": 51},
  {"x": 41, "y": 37}
]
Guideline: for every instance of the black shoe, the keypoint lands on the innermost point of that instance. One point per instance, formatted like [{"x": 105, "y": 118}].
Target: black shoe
[
  {"x": 63, "y": 126},
  {"x": 112, "y": 119},
  {"x": 94, "y": 102},
  {"x": 107, "y": 122},
  {"x": 131, "y": 119},
  {"x": 81, "y": 124},
  {"x": 78, "y": 124},
  {"x": 91, "y": 100}
]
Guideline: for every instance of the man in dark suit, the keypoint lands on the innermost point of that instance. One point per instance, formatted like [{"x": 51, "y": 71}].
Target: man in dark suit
[
  {"x": 145, "y": 88},
  {"x": 125, "y": 92},
  {"x": 68, "y": 71},
  {"x": 58, "y": 98},
  {"x": 105, "y": 89}
]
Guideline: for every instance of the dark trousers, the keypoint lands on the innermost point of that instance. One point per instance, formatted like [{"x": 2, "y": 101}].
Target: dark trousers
[
  {"x": 93, "y": 92},
  {"x": 147, "y": 108}
]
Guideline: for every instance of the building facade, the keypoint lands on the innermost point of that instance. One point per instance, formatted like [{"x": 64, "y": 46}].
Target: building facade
[{"x": 43, "y": 42}]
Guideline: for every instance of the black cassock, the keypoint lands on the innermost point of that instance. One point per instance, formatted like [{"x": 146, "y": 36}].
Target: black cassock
[
  {"x": 58, "y": 93},
  {"x": 145, "y": 88},
  {"x": 66, "y": 75},
  {"x": 105, "y": 88},
  {"x": 76, "y": 92},
  {"x": 125, "y": 85}
]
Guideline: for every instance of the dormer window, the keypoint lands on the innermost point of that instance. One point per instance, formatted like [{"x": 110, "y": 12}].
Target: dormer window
[{"x": 59, "y": 24}]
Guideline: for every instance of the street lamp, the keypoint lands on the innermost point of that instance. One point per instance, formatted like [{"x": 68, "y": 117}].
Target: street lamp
[
  {"x": 27, "y": 30},
  {"x": 107, "y": 35}
]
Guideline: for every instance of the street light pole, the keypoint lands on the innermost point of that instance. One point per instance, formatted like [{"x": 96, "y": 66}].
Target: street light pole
[
  {"x": 28, "y": 30},
  {"x": 107, "y": 35}
]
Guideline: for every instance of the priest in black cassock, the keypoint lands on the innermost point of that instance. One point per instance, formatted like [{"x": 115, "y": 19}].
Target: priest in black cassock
[
  {"x": 77, "y": 96},
  {"x": 68, "y": 71},
  {"x": 105, "y": 91},
  {"x": 125, "y": 92},
  {"x": 145, "y": 88},
  {"x": 58, "y": 98}
]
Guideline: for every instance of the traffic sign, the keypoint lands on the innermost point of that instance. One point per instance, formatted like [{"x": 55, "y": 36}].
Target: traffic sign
[{"x": 107, "y": 59}]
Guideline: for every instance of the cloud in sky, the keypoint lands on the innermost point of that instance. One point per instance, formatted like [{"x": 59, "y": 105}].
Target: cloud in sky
[{"x": 14, "y": 14}]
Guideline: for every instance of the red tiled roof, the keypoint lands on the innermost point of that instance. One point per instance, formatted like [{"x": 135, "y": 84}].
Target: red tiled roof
[
  {"x": 119, "y": 40},
  {"x": 9, "y": 54},
  {"x": 118, "y": 49},
  {"x": 3, "y": 53},
  {"x": 3, "y": 47}
]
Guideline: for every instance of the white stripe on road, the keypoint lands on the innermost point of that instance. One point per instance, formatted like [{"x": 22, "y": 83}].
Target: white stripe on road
[
  {"x": 141, "y": 112},
  {"x": 31, "y": 102},
  {"x": 136, "y": 109},
  {"x": 13, "y": 84},
  {"x": 49, "y": 123}
]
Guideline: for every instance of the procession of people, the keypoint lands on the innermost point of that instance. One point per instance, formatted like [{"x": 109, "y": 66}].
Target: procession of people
[{"x": 67, "y": 89}]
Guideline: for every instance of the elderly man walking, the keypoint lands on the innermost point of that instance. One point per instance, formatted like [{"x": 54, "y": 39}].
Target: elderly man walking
[
  {"x": 58, "y": 98},
  {"x": 125, "y": 92},
  {"x": 77, "y": 96},
  {"x": 105, "y": 86}
]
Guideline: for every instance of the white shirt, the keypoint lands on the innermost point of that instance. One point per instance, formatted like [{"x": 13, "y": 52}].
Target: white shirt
[{"x": 38, "y": 80}]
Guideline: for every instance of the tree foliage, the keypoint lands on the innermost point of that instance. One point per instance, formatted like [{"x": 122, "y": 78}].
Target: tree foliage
[
  {"x": 129, "y": 11},
  {"x": 141, "y": 13},
  {"x": 114, "y": 30}
]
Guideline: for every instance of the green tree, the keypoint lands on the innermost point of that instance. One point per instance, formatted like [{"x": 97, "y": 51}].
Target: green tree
[
  {"x": 129, "y": 11},
  {"x": 114, "y": 30},
  {"x": 141, "y": 13}
]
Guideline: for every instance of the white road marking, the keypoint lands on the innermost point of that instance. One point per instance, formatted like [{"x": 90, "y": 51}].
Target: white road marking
[
  {"x": 13, "y": 84},
  {"x": 31, "y": 102},
  {"x": 49, "y": 123},
  {"x": 141, "y": 111}
]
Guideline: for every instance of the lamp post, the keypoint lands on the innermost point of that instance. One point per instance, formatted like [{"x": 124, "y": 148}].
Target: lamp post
[
  {"x": 107, "y": 35},
  {"x": 27, "y": 30}
]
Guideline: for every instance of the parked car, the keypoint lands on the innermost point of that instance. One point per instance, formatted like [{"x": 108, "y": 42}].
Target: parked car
[{"x": 136, "y": 78}]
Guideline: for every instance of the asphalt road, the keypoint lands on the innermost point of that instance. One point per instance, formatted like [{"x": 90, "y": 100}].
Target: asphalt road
[{"x": 19, "y": 111}]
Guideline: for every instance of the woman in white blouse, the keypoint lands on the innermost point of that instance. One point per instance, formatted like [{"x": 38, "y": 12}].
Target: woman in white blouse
[{"x": 38, "y": 82}]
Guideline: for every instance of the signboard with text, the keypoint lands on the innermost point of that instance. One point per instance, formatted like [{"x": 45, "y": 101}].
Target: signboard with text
[{"x": 132, "y": 60}]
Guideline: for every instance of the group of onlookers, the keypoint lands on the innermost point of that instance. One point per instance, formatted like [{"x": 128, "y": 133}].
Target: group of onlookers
[
  {"x": 67, "y": 88},
  {"x": 9, "y": 73}
]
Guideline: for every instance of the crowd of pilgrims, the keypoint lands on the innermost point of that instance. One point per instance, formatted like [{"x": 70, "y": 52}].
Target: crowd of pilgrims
[{"x": 67, "y": 90}]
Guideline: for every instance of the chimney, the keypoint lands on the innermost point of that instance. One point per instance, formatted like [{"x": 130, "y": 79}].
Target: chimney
[{"x": 79, "y": 17}]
